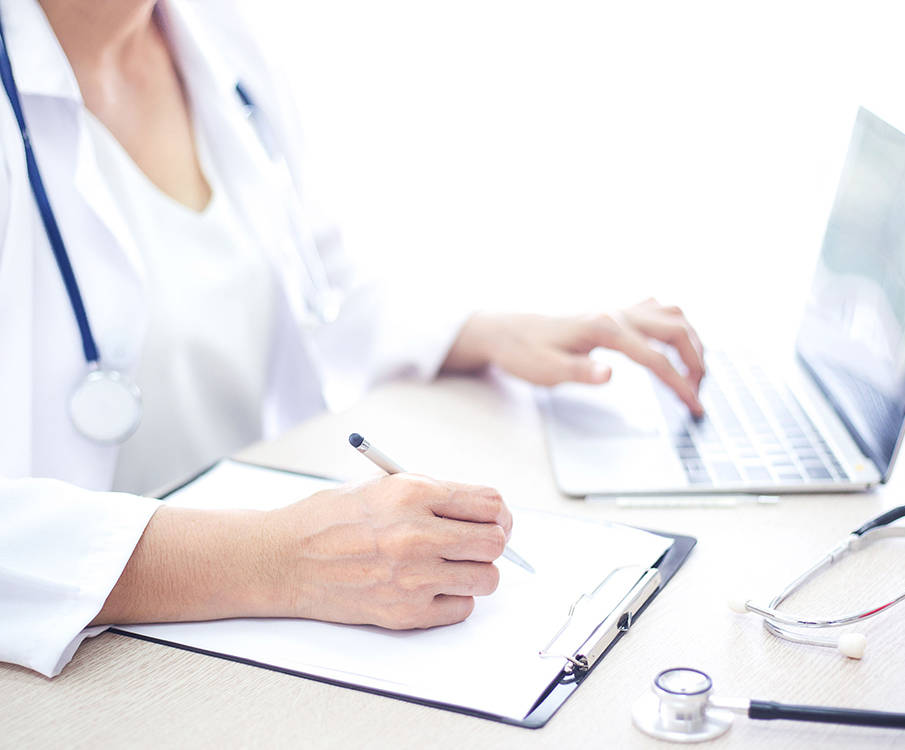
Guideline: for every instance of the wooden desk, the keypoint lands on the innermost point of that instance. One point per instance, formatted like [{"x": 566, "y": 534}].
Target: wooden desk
[{"x": 118, "y": 691}]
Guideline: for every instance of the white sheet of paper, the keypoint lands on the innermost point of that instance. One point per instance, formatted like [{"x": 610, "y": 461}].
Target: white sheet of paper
[{"x": 488, "y": 663}]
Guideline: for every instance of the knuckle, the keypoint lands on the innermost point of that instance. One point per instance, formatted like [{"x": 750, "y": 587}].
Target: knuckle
[
  {"x": 680, "y": 329},
  {"x": 404, "y": 616},
  {"x": 465, "y": 608},
  {"x": 403, "y": 540},
  {"x": 495, "y": 503},
  {"x": 577, "y": 369},
  {"x": 659, "y": 362},
  {"x": 549, "y": 377},
  {"x": 492, "y": 579},
  {"x": 606, "y": 325},
  {"x": 410, "y": 488},
  {"x": 411, "y": 581},
  {"x": 497, "y": 541}
]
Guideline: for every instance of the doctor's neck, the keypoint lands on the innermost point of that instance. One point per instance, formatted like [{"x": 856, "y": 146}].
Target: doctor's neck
[{"x": 95, "y": 31}]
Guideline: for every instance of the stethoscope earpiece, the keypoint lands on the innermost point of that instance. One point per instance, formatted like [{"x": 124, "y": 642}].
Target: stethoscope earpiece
[{"x": 850, "y": 645}]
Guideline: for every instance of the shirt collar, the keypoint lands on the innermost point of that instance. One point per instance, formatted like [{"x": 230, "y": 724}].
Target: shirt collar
[
  {"x": 41, "y": 67},
  {"x": 39, "y": 63},
  {"x": 204, "y": 70}
]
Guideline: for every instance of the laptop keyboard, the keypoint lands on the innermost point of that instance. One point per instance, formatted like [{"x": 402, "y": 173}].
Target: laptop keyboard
[{"x": 752, "y": 432}]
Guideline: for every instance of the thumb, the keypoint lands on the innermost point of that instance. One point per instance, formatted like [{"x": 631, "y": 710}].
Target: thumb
[{"x": 578, "y": 368}]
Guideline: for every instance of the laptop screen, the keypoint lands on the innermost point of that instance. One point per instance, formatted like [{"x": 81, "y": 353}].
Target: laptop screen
[{"x": 852, "y": 338}]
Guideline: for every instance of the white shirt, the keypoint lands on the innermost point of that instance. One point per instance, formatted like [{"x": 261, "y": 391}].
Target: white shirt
[
  {"x": 203, "y": 373},
  {"x": 64, "y": 538}
]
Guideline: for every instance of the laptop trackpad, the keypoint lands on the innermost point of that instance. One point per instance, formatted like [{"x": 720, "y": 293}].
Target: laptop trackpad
[
  {"x": 612, "y": 437},
  {"x": 626, "y": 407}
]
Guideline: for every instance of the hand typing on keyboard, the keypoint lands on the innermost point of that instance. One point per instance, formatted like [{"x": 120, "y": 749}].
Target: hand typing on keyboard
[{"x": 549, "y": 350}]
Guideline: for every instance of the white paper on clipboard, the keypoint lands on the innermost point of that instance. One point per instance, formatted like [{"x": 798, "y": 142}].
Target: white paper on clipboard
[{"x": 488, "y": 663}]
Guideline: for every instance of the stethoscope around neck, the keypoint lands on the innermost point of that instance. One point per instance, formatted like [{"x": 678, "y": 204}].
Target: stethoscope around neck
[
  {"x": 106, "y": 406},
  {"x": 681, "y": 708}
]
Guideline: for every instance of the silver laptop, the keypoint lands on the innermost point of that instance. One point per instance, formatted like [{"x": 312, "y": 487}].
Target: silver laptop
[{"x": 830, "y": 419}]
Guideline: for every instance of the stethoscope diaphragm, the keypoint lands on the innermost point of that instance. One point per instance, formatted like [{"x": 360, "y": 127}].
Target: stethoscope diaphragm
[{"x": 106, "y": 406}]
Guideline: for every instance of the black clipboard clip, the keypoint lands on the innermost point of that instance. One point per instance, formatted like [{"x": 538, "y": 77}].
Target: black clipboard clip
[{"x": 609, "y": 625}]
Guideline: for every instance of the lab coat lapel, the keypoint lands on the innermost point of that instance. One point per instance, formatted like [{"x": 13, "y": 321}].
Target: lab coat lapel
[
  {"x": 250, "y": 175},
  {"x": 16, "y": 281},
  {"x": 46, "y": 82},
  {"x": 254, "y": 183},
  {"x": 94, "y": 191}
]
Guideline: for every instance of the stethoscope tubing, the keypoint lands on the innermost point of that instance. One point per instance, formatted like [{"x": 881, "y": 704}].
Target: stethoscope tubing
[
  {"x": 786, "y": 626},
  {"x": 89, "y": 346},
  {"x": 770, "y": 710}
]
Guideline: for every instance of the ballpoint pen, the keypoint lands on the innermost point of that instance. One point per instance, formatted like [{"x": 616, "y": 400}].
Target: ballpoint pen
[{"x": 386, "y": 463}]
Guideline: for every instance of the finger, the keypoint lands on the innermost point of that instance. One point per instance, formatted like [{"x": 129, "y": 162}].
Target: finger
[
  {"x": 559, "y": 360},
  {"x": 446, "y": 609},
  {"x": 636, "y": 348},
  {"x": 466, "y": 540},
  {"x": 677, "y": 334},
  {"x": 467, "y": 502},
  {"x": 466, "y": 578},
  {"x": 677, "y": 312},
  {"x": 560, "y": 367}
]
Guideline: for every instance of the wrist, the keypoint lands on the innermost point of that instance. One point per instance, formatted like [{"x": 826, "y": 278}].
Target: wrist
[
  {"x": 473, "y": 348},
  {"x": 246, "y": 565},
  {"x": 267, "y": 552}
]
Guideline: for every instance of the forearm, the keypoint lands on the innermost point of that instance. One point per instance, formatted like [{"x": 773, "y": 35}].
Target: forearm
[
  {"x": 472, "y": 349},
  {"x": 400, "y": 551},
  {"x": 195, "y": 565}
]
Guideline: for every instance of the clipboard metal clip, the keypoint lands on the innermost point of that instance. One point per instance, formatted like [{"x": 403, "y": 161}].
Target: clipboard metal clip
[{"x": 617, "y": 621}]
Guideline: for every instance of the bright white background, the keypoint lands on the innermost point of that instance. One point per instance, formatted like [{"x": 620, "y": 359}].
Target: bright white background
[{"x": 578, "y": 155}]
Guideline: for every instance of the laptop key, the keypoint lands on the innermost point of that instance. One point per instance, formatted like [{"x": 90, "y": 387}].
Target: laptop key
[
  {"x": 725, "y": 471},
  {"x": 818, "y": 473},
  {"x": 757, "y": 473},
  {"x": 694, "y": 465},
  {"x": 687, "y": 451},
  {"x": 790, "y": 478}
]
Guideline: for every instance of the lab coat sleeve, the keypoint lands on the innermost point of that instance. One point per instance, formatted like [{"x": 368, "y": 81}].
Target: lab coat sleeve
[
  {"x": 385, "y": 330},
  {"x": 62, "y": 549}
]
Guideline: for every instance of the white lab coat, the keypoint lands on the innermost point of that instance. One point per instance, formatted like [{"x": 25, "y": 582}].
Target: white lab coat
[{"x": 64, "y": 538}]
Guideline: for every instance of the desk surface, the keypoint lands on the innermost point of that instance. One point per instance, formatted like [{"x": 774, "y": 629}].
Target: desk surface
[{"x": 120, "y": 691}]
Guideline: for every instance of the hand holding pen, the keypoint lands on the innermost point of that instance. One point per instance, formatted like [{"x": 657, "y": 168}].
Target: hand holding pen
[{"x": 380, "y": 459}]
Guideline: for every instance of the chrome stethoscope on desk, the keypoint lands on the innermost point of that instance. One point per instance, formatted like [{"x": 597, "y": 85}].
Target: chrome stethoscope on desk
[
  {"x": 106, "y": 406},
  {"x": 794, "y": 628},
  {"x": 680, "y": 708}
]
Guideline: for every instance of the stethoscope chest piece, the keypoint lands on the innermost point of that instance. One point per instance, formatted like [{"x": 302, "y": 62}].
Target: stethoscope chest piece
[
  {"x": 106, "y": 406},
  {"x": 677, "y": 708}
]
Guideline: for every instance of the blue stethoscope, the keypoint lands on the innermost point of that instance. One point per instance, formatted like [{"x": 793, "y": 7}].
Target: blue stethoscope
[{"x": 106, "y": 406}]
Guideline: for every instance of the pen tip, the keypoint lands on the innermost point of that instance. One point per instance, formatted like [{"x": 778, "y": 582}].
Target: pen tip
[{"x": 355, "y": 439}]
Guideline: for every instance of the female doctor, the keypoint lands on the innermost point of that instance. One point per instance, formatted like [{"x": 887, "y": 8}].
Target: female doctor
[{"x": 166, "y": 297}]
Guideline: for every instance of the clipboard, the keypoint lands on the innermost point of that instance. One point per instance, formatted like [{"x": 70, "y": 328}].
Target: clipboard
[{"x": 577, "y": 664}]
